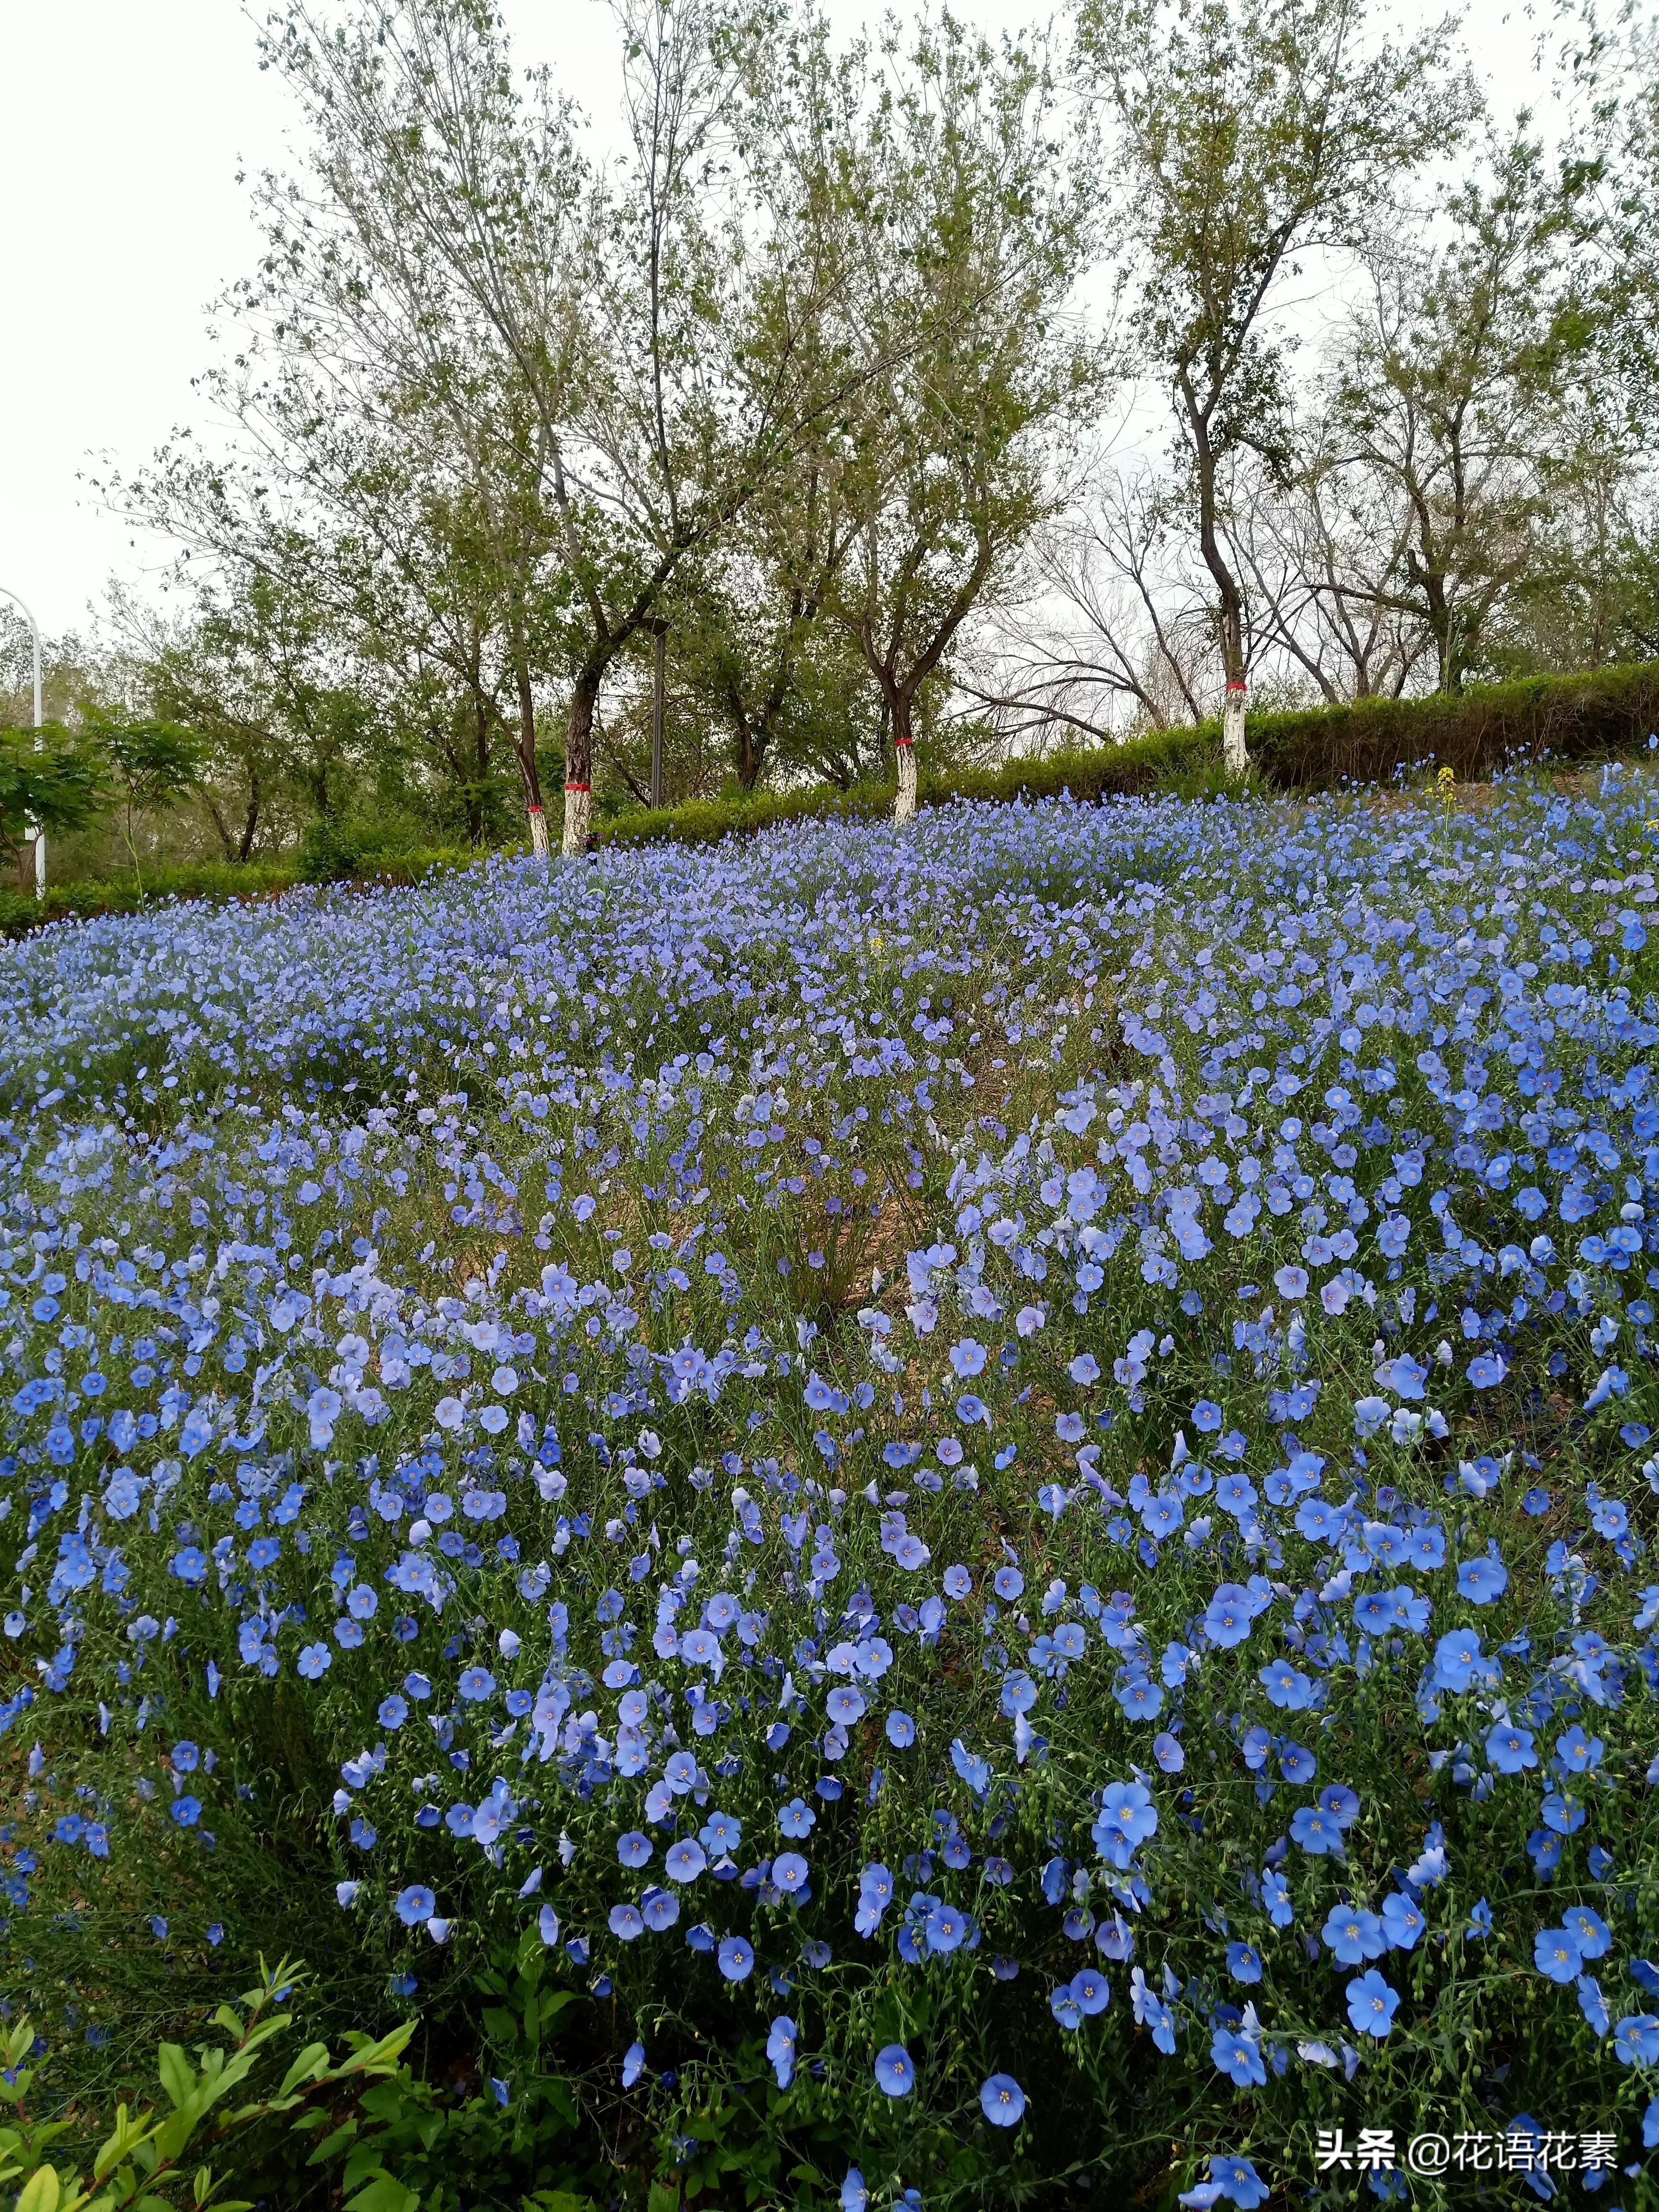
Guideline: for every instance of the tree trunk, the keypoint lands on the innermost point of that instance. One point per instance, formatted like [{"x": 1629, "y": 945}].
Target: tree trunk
[
  {"x": 1234, "y": 757},
  {"x": 749, "y": 758},
  {"x": 238, "y": 845},
  {"x": 904, "y": 805},
  {"x": 1441, "y": 624},
  {"x": 474, "y": 804},
  {"x": 526, "y": 749},
  {"x": 1231, "y": 625},
  {"x": 579, "y": 761},
  {"x": 751, "y": 733},
  {"x": 755, "y": 733}
]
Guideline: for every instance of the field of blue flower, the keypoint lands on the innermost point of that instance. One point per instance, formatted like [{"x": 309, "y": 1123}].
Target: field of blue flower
[{"x": 936, "y": 1516}]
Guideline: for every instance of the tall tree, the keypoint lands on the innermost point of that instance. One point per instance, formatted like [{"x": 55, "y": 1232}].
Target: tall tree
[
  {"x": 250, "y": 668},
  {"x": 71, "y": 667},
  {"x": 1452, "y": 404},
  {"x": 1611, "y": 61},
  {"x": 151, "y": 764},
  {"x": 366, "y": 522},
  {"x": 435, "y": 230},
  {"x": 1250, "y": 133},
  {"x": 750, "y": 633},
  {"x": 1319, "y": 545},
  {"x": 970, "y": 226},
  {"x": 624, "y": 355},
  {"x": 1112, "y": 618},
  {"x": 50, "y": 779}
]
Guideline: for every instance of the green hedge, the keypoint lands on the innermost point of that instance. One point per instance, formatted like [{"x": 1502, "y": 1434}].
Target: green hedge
[
  {"x": 1608, "y": 711},
  {"x": 1144, "y": 764},
  {"x": 220, "y": 880},
  {"x": 1375, "y": 741},
  {"x": 705, "y": 821}
]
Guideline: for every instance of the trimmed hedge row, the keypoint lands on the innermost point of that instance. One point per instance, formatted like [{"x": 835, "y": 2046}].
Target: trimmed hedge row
[
  {"x": 20, "y": 912},
  {"x": 1143, "y": 764},
  {"x": 1374, "y": 741},
  {"x": 1604, "y": 711}
]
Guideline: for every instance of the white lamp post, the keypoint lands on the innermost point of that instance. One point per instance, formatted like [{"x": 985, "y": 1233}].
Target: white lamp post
[{"x": 39, "y": 834}]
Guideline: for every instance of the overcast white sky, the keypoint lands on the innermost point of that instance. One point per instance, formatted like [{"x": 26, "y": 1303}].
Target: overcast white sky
[{"x": 121, "y": 218}]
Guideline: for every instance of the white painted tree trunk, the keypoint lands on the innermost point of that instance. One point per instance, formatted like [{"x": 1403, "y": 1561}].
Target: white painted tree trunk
[
  {"x": 578, "y": 815},
  {"x": 538, "y": 844},
  {"x": 904, "y": 806},
  {"x": 1234, "y": 757}
]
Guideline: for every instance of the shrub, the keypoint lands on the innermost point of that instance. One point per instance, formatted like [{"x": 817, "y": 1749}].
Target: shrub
[
  {"x": 706, "y": 820},
  {"x": 20, "y": 912},
  {"x": 1142, "y": 765},
  {"x": 1485, "y": 728},
  {"x": 219, "y": 881},
  {"x": 150, "y": 2159},
  {"x": 331, "y": 849}
]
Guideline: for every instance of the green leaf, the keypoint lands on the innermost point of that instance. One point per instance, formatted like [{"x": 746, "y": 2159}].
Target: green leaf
[
  {"x": 371, "y": 2057},
  {"x": 384, "y": 2193},
  {"x": 326, "y": 2150},
  {"x": 561, "y": 2097},
  {"x": 178, "y": 2074},
  {"x": 56, "y": 778},
  {"x": 390, "y": 2101},
  {"x": 365, "y": 2160},
  {"x": 311, "y": 2064},
  {"x": 41, "y": 2192},
  {"x": 278, "y": 2025},
  {"x": 129, "y": 2133}
]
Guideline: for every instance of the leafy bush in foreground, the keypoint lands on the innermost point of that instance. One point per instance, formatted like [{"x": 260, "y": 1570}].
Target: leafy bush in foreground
[
  {"x": 142, "y": 2162},
  {"x": 948, "y": 1507}
]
